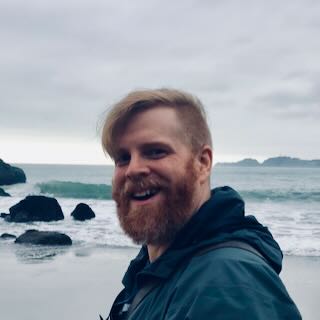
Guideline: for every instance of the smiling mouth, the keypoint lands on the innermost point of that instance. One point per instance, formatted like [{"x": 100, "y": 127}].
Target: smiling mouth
[{"x": 144, "y": 195}]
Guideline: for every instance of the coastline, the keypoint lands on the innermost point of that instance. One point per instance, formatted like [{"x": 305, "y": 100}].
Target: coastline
[{"x": 81, "y": 283}]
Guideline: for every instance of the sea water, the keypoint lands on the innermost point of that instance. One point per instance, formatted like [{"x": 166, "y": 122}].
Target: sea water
[{"x": 286, "y": 200}]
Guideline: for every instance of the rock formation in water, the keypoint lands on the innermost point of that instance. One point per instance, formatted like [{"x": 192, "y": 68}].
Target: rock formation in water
[
  {"x": 6, "y": 236},
  {"x": 3, "y": 193},
  {"x": 4, "y": 215},
  {"x": 10, "y": 174},
  {"x": 48, "y": 238},
  {"x": 35, "y": 208},
  {"x": 82, "y": 212}
]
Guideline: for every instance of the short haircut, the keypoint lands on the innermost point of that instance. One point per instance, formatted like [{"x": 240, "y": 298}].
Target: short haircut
[{"x": 188, "y": 107}]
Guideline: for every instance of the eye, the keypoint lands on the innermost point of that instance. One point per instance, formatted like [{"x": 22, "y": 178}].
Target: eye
[
  {"x": 156, "y": 153},
  {"x": 122, "y": 159}
]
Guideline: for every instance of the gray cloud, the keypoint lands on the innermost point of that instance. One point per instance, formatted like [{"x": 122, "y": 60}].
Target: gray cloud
[
  {"x": 300, "y": 99},
  {"x": 62, "y": 62}
]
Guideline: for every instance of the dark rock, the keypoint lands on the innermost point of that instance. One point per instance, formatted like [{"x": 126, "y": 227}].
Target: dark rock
[
  {"x": 47, "y": 238},
  {"x": 4, "y": 215},
  {"x": 3, "y": 193},
  {"x": 82, "y": 212},
  {"x": 10, "y": 174},
  {"x": 35, "y": 208},
  {"x": 7, "y": 236}
]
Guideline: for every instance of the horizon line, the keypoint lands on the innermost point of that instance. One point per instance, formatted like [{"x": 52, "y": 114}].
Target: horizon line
[{"x": 107, "y": 163}]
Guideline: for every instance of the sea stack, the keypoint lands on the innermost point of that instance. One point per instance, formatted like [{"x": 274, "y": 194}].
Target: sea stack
[{"x": 11, "y": 175}]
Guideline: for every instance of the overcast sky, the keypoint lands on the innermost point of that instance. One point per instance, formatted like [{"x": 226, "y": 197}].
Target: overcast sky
[{"x": 254, "y": 64}]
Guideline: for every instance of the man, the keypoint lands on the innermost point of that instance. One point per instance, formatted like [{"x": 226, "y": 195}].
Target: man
[{"x": 201, "y": 258}]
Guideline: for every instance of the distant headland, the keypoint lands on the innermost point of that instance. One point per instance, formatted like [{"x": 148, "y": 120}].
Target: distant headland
[{"x": 273, "y": 162}]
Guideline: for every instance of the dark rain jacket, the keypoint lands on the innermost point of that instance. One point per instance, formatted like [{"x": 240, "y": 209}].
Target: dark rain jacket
[{"x": 225, "y": 283}]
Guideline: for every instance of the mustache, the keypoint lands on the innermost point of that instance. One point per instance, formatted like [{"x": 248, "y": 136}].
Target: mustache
[{"x": 129, "y": 187}]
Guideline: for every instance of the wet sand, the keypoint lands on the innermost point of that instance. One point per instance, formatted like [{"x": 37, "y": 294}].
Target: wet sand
[
  {"x": 82, "y": 283},
  {"x": 77, "y": 284},
  {"x": 301, "y": 278}
]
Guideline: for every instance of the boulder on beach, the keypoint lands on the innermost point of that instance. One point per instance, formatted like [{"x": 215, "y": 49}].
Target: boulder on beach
[
  {"x": 10, "y": 174},
  {"x": 35, "y": 208},
  {"x": 82, "y": 212},
  {"x": 7, "y": 236},
  {"x": 47, "y": 238},
  {"x": 3, "y": 193}
]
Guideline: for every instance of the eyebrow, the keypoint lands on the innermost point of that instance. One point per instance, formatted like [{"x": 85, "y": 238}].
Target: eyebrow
[
  {"x": 147, "y": 145},
  {"x": 155, "y": 144}
]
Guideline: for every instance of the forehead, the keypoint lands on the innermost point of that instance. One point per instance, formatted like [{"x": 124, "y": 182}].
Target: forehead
[{"x": 159, "y": 123}]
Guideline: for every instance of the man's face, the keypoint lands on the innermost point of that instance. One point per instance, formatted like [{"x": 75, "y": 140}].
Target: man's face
[{"x": 155, "y": 182}]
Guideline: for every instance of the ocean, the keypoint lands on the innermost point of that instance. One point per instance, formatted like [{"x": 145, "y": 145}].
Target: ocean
[{"x": 286, "y": 200}]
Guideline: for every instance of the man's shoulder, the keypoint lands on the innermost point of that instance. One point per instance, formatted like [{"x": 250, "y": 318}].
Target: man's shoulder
[
  {"x": 232, "y": 274},
  {"x": 228, "y": 255},
  {"x": 232, "y": 282},
  {"x": 228, "y": 266}
]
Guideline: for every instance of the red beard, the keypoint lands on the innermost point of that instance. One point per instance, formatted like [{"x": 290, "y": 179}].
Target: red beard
[{"x": 156, "y": 224}]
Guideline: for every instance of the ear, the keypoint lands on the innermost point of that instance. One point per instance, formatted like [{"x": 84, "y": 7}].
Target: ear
[{"x": 205, "y": 163}]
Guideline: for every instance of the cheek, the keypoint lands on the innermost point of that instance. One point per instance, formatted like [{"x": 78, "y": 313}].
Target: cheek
[
  {"x": 118, "y": 177},
  {"x": 118, "y": 182}
]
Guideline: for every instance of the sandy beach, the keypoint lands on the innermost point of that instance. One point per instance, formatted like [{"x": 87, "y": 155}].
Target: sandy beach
[
  {"x": 79, "y": 283},
  {"x": 301, "y": 277}
]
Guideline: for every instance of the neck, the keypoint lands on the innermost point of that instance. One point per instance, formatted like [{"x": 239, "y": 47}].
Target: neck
[{"x": 156, "y": 251}]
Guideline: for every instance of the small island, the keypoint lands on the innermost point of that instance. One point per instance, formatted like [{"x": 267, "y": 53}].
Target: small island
[{"x": 273, "y": 162}]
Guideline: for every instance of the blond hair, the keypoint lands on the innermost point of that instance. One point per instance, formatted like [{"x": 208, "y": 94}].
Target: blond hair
[{"x": 188, "y": 107}]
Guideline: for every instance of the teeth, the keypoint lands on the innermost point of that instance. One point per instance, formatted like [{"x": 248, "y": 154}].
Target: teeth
[{"x": 144, "y": 193}]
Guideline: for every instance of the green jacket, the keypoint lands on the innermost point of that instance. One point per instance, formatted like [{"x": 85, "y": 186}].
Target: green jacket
[{"x": 225, "y": 283}]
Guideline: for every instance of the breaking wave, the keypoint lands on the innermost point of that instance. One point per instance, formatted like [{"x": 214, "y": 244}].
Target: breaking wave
[
  {"x": 280, "y": 195},
  {"x": 76, "y": 190}
]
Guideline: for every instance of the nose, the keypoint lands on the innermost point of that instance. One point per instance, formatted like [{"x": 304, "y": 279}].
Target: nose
[{"x": 137, "y": 167}]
